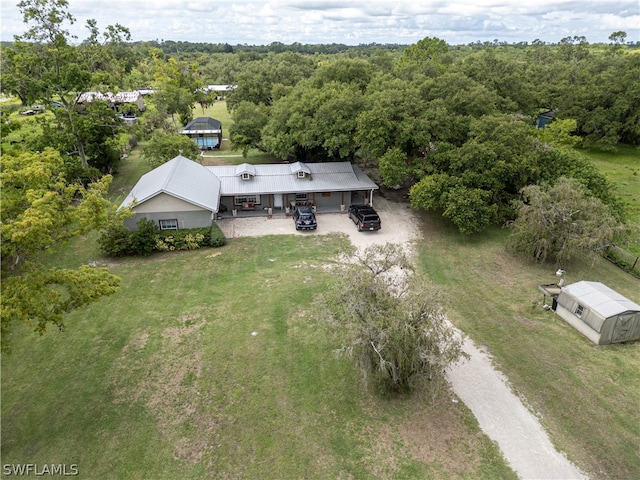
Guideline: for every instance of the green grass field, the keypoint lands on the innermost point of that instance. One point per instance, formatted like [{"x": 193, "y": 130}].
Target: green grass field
[
  {"x": 587, "y": 397},
  {"x": 165, "y": 380},
  {"x": 622, "y": 168}
]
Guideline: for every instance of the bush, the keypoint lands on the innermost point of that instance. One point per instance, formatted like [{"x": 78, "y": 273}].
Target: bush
[
  {"x": 115, "y": 241},
  {"x": 182, "y": 239},
  {"x": 143, "y": 241},
  {"x": 216, "y": 237},
  {"x": 118, "y": 241}
]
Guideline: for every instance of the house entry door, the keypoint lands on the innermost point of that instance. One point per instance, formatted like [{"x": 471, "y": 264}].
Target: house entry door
[{"x": 278, "y": 201}]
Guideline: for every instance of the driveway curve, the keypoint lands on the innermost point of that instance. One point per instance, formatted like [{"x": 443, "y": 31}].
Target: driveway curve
[{"x": 485, "y": 391}]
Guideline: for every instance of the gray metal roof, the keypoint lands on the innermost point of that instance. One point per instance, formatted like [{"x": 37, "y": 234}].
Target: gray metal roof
[
  {"x": 283, "y": 178},
  {"x": 202, "y": 125},
  {"x": 600, "y": 298},
  {"x": 181, "y": 178},
  {"x": 189, "y": 181}
]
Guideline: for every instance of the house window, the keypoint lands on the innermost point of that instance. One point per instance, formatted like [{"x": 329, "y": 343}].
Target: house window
[
  {"x": 169, "y": 224},
  {"x": 301, "y": 174},
  {"x": 253, "y": 199},
  {"x": 301, "y": 197},
  {"x": 246, "y": 176},
  {"x": 579, "y": 310}
]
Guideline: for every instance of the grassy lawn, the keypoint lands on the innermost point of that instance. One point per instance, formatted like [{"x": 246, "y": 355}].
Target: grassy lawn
[
  {"x": 226, "y": 154},
  {"x": 622, "y": 168},
  {"x": 165, "y": 380},
  {"x": 587, "y": 397}
]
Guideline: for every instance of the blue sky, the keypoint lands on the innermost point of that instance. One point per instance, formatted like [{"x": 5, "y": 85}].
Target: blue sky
[{"x": 349, "y": 22}]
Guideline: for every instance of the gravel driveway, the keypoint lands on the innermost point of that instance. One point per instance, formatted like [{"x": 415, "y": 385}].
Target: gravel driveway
[
  {"x": 485, "y": 391},
  {"x": 399, "y": 225}
]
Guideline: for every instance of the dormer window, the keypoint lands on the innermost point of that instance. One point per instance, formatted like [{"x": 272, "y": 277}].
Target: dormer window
[
  {"x": 301, "y": 174},
  {"x": 246, "y": 176}
]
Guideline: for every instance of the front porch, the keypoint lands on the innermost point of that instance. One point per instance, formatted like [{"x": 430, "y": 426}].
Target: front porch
[{"x": 282, "y": 205}]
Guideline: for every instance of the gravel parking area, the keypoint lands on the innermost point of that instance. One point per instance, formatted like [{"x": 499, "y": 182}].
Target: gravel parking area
[{"x": 399, "y": 225}]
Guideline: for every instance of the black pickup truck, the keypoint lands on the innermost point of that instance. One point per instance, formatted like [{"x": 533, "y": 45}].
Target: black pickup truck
[{"x": 365, "y": 217}]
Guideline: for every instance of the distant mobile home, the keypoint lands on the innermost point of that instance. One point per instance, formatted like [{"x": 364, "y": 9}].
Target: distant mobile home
[{"x": 599, "y": 313}]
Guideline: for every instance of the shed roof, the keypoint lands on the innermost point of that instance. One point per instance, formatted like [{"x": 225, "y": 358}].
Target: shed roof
[
  {"x": 282, "y": 178},
  {"x": 203, "y": 125},
  {"x": 181, "y": 178},
  {"x": 600, "y": 298}
]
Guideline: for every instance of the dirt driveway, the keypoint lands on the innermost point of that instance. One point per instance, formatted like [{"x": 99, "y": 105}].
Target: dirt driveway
[{"x": 399, "y": 225}]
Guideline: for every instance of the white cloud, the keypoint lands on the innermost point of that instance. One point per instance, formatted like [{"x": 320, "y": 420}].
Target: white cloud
[{"x": 353, "y": 22}]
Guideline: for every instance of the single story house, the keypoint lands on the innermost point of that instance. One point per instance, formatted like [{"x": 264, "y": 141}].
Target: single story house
[
  {"x": 185, "y": 194},
  {"x": 178, "y": 194},
  {"x": 205, "y": 131},
  {"x": 599, "y": 313},
  {"x": 330, "y": 186}
]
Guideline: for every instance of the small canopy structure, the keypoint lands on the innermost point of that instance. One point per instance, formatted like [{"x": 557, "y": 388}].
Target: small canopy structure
[
  {"x": 205, "y": 131},
  {"x": 599, "y": 312}
]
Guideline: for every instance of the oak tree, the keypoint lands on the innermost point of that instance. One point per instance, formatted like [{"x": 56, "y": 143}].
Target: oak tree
[
  {"x": 393, "y": 323},
  {"x": 40, "y": 210}
]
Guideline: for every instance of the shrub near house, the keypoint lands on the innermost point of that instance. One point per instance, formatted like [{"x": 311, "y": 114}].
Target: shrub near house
[{"x": 119, "y": 241}]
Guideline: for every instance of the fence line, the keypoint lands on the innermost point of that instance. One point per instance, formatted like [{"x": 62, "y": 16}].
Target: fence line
[{"x": 624, "y": 259}]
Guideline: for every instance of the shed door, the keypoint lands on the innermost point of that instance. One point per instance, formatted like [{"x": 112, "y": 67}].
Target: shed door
[{"x": 622, "y": 329}]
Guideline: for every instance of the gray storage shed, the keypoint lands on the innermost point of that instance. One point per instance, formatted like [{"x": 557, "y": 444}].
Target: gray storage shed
[{"x": 599, "y": 313}]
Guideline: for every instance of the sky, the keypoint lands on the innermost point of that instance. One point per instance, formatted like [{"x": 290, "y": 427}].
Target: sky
[{"x": 350, "y": 22}]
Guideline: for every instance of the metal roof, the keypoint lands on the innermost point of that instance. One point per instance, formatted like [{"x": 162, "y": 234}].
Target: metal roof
[
  {"x": 221, "y": 88},
  {"x": 181, "y": 178},
  {"x": 127, "y": 97},
  {"x": 189, "y": 181},
  {"x": 600, "y": 298},
  {"x": 202, "y": 125},
  {"x": 280, "y": 178}
]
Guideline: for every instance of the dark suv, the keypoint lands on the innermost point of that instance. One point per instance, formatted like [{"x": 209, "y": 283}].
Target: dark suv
[
  {"x": 304, "y": 218},
  {"x": 365, "y": 217}
]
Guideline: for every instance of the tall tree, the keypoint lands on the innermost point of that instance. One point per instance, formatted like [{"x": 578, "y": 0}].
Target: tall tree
[
  {"x": 474, "y": 184},
  {"x": 44, "y": 67},
  {"x": 248, "y": 121},
  {"x": 162, "y": 147},
  {"x": 558, "y": 223},
  {"x": 177, "y": 83},
  {"x": 393, "y": 324},
  {"x": 40, "y": 210}
]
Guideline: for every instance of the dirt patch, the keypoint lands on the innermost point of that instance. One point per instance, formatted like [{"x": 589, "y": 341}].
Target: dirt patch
[
  {"x": 167, "y": 384},
  {"x": 436, "y": 433}
]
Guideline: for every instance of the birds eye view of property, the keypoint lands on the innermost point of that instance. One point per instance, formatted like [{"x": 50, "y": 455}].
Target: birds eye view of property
[{"x": 412, "y": 260}]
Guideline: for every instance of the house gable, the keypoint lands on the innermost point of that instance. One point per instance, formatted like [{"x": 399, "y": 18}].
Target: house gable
[
  {"x": 181, "y": 178},
  {"x": 166, "y": 202}
]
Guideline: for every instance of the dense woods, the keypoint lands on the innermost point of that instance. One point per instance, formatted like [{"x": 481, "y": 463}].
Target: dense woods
[{"x": 457, "y": 124}]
